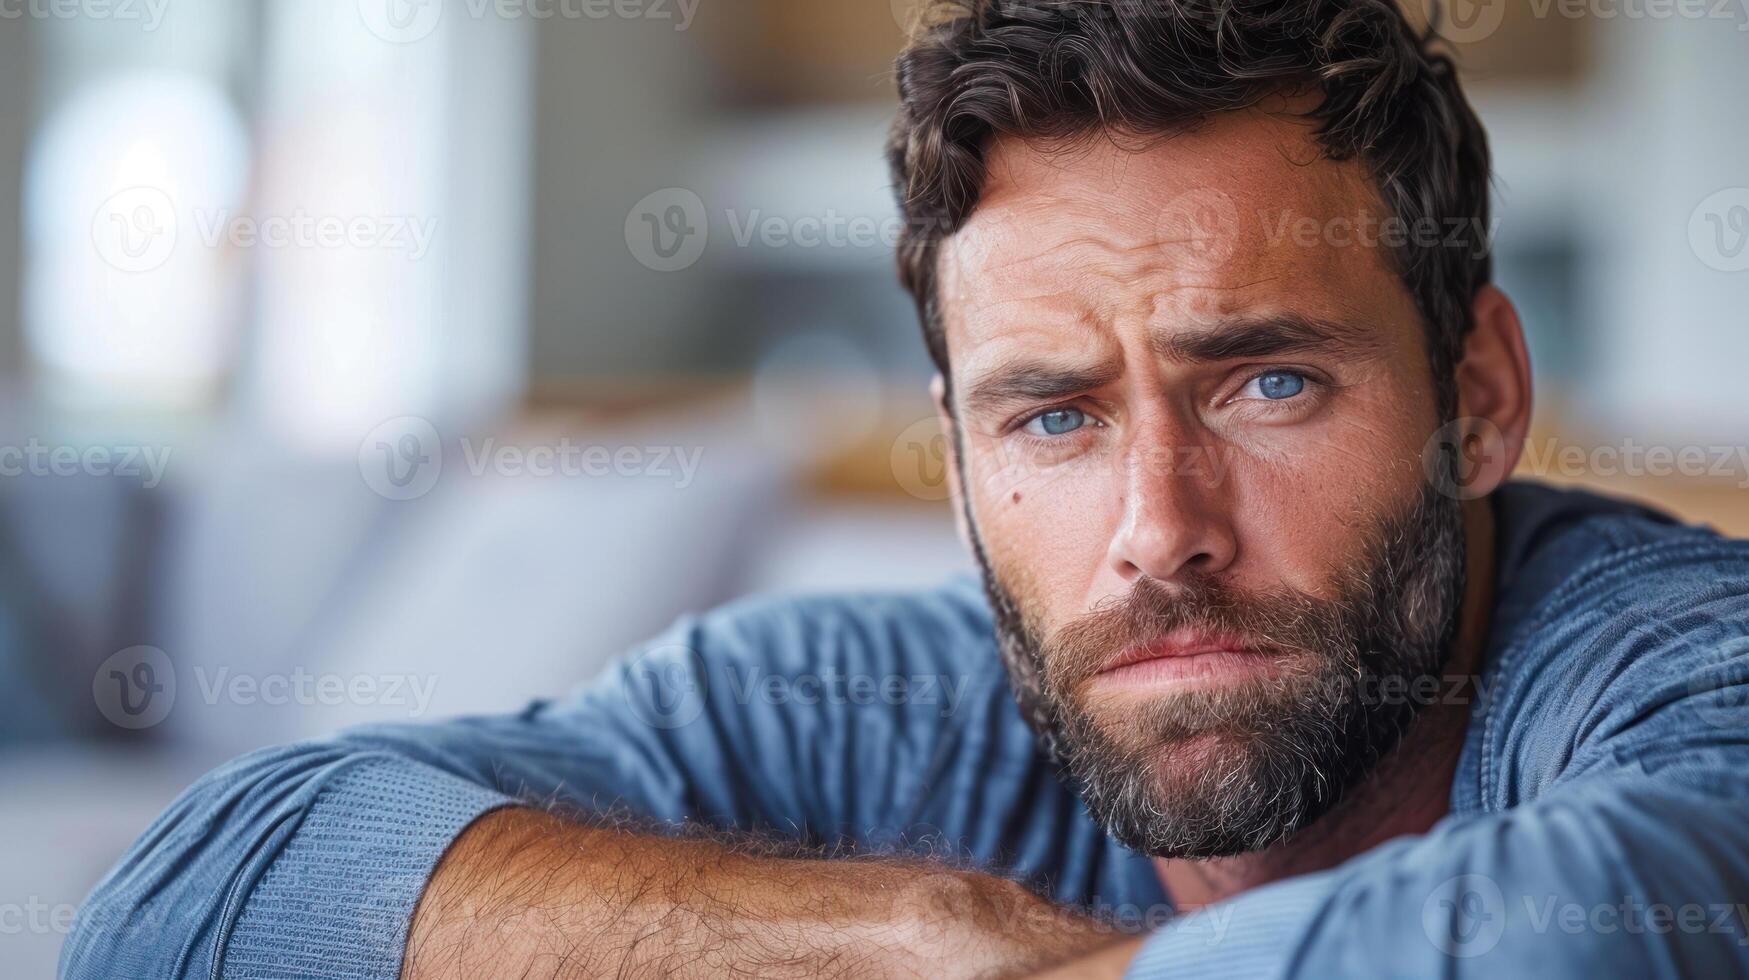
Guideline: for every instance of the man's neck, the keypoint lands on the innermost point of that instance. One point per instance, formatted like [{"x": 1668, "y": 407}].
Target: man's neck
[{"x": 1406, "y": 793}]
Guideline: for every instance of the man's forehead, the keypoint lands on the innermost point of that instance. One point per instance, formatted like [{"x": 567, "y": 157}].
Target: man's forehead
[{"x": 1220, "y": 207}]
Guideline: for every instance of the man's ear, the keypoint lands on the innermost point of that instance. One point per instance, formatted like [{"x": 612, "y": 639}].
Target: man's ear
[
  {"x": 1494, "y": 394},
  {"x": 951, "y": 459}
]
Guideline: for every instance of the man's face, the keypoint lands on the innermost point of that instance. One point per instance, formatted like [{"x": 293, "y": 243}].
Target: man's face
[{"x": 1191, "y": 404}]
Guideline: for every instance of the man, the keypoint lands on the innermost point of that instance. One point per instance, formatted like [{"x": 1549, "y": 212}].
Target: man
[{"x": 1272, "y": 672}]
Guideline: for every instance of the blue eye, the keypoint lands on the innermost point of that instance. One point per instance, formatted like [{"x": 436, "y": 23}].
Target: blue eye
[
  {"x": 1280, "y": 385},
  {"x": 1057, "y": 421}
]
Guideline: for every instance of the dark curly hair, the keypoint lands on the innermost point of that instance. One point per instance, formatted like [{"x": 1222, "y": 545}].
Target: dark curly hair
[{"x": 1053, "y": 71}]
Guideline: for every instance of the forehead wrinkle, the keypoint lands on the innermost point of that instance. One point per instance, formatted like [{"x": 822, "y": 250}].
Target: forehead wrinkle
[
  {"x": 1088, "y": 266},
  {"x": 991, "y": 328},
  {"x": 999, "y": 225},
  {"x": 1004, "y": 329},
  {"x": 1075, "y": 296},
  {"x": 1083, "y": 254}
]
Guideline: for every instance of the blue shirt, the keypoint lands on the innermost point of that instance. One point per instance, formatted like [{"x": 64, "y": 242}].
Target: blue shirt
[{"x": 1599, "y": 819}]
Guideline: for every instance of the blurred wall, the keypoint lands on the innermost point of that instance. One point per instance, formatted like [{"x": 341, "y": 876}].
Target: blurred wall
[
  {"x": 618, "y": 104},
  {"x": 1668, "y": 191}
]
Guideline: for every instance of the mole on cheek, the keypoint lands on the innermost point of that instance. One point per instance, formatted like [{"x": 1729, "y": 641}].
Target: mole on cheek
[{"x": 1017, "y": 496}]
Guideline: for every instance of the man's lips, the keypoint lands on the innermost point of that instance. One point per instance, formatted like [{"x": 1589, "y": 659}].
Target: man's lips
[
  {"x": 1178, "y": 644},
  {"x": 1187, "y": 656}
]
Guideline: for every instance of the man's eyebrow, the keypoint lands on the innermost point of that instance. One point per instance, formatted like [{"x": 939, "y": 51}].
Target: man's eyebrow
[
  {"x": 1243, "y": 337},
  {"x": 1027, "y": 381}
]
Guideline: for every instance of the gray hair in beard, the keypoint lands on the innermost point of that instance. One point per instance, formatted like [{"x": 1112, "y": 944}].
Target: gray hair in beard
[{"x": 1268, "y": 757}]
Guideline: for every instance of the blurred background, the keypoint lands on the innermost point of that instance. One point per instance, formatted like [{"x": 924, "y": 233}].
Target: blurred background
[{"x": 393, "y": 359}]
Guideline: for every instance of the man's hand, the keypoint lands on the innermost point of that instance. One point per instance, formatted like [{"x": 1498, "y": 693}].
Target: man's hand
[{"x": 522, "y": 893}]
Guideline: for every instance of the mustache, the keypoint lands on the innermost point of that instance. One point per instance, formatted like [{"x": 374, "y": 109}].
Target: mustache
[{"x": 1279, "y": 620}]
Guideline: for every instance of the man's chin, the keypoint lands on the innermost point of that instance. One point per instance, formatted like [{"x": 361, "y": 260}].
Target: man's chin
[
  {"x": 1213, "y": 792},
  {"x": 1177, "y": 767}
]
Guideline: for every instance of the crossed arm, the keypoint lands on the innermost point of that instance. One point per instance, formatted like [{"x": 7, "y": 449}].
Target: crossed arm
[{"x": 523, "y": 893}]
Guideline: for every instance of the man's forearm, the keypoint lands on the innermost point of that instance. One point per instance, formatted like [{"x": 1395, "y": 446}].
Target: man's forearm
[{"x": 524, "y": 893}]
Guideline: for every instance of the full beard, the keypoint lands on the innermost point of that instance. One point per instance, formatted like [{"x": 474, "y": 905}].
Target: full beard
[{"x": 1214, "y": 772}]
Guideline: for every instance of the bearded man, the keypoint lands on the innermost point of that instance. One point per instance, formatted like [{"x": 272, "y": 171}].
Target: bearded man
[{"x": 1272, "y": 669}]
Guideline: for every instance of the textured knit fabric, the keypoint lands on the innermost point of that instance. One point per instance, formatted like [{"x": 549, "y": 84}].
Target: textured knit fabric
[{"x": 1599, "y": 818}]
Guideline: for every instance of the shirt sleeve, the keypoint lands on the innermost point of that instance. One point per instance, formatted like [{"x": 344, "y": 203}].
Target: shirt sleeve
[
  {"x": 308, "y": 860},
  {"x": 1613, "y": 752}
]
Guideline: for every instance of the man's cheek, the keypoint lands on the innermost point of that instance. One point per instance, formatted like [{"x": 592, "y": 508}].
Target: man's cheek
[
  {"x": 1047, "y": 531},
  {"x": 1306, "y": 508},
  {"x": 1006, "y": 472}
]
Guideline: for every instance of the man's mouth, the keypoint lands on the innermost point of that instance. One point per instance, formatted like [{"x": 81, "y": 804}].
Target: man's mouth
[{"x": 1186, "y": 658}]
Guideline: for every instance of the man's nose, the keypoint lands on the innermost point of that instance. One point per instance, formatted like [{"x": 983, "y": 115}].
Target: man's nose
[{"x": 1176, "y": 514}]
